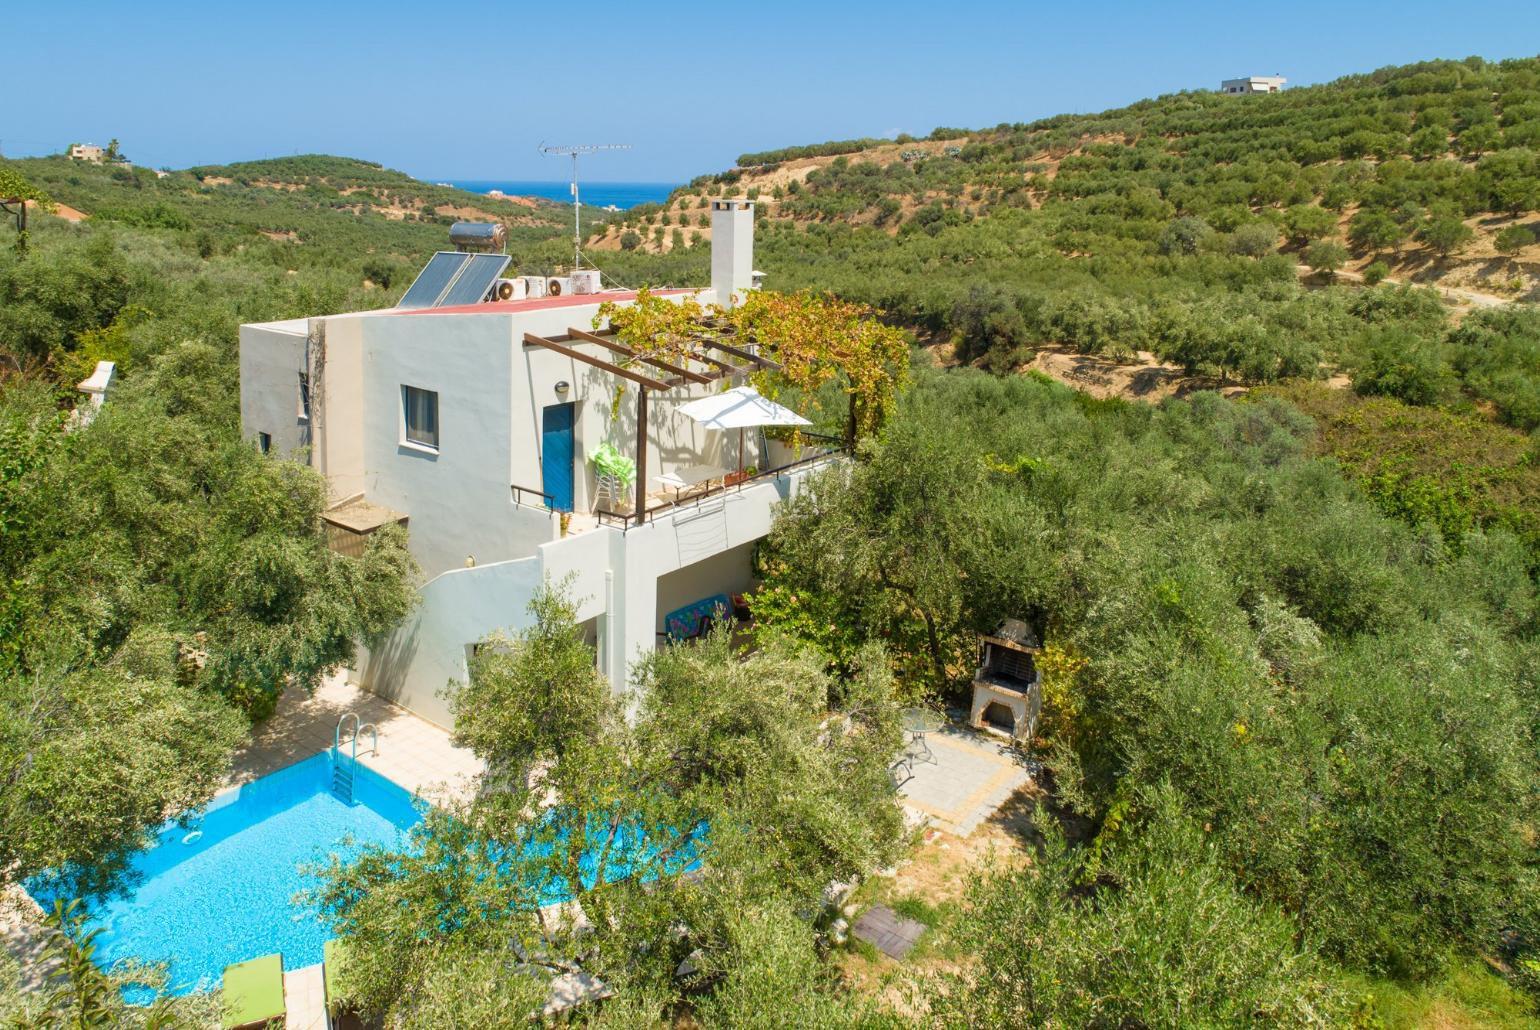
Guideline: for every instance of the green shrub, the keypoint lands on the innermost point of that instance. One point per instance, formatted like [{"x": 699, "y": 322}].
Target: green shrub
[
  {"x": 1514, "y": 238},
  {"x": 1163, "y": 939},
  {"x": 1401, "y": 364}
]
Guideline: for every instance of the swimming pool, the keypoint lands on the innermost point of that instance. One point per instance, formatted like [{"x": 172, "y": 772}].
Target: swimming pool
[{"x": 221, "y": 889}]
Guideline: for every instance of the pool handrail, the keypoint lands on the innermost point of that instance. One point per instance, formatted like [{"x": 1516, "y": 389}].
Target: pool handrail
[
  {"x": 337, "y": 733},
  {"x": 374, "y": 739},
  {"x": 358, "y": 731}
]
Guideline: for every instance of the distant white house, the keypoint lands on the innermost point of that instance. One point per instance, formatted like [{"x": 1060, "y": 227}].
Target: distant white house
[
  {"x": 95, "y": 388},
  {"x": 1253, "y": 84},
  {"x": 87, "y": 152},
  {"x": 470, "y": 420}
]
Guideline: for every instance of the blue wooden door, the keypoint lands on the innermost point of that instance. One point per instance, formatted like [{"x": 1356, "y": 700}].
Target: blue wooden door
[{"x": 556, "y": 454}]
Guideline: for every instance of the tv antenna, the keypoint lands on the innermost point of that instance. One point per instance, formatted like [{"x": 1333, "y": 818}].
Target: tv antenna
[{"x": 577, "y": 208}]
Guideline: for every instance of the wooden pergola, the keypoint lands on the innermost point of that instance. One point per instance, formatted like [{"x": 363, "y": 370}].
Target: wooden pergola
[{"x": 707, "y": 368}]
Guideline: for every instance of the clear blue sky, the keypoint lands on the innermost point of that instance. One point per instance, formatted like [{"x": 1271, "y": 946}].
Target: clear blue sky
[{"x": 468, "y": 89}]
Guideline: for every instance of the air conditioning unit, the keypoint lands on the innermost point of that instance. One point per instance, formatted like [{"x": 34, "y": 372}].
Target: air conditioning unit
[
  {"x": 586, "y": 281},
  {"x": 534, "y": 285},
  {"x": 558, "y": 286},
  {"x": 509, "y": 289}
]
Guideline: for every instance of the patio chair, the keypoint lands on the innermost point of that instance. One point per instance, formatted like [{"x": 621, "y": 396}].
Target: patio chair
[{"x": 252, "y": 995}]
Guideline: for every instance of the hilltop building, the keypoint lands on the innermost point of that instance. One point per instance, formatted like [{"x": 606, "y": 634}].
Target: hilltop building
[
  {"x": 467, "y": 413},
  {"x": 1253, "y": 84},
  {"x": 87, "y": 152}
]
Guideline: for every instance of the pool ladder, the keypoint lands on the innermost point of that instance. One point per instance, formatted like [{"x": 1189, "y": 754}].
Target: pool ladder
[{"x": 342, "y": 772}]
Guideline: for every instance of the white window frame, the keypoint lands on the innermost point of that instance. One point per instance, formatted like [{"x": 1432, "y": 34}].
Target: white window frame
[
  {"x": 406, "y": 438},
  {"x": 304, "y": 396}
]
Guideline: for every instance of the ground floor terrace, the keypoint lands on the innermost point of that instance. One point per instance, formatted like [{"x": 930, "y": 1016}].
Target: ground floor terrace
[
  {"x": 965, "y": 793},
  {"x": 635, "y": 579}
]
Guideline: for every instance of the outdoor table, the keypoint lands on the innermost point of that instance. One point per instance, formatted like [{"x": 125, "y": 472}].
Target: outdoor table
[
  {"x": 917, "y": 722},
  {"x": 683, "y": 479}
]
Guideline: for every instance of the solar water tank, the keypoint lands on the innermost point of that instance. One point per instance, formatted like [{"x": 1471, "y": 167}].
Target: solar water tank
[{"x": 479, "y": 236}]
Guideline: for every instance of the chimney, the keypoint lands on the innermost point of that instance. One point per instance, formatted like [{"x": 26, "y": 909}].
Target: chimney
[{"x": 732, "y": 250}]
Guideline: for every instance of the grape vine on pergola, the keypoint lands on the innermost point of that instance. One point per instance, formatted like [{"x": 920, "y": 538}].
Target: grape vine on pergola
[
  {"x": 813, "y": 341},
  {"x": 15, "y": 192}
]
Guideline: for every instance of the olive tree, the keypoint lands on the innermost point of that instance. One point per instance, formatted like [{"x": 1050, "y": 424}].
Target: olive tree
[{"x": 736, "y": 769}]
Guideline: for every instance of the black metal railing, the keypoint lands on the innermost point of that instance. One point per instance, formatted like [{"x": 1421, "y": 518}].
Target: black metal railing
[
  {"x": 519, "y": 493},
  {"x": 630, "y": 520}
]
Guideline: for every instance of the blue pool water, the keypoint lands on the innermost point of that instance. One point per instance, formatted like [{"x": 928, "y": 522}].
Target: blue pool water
[{"x": 221, "y": 889}]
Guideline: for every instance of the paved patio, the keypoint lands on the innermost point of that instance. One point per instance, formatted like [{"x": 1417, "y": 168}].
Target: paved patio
[
  {"x": 962, "y": 782},
  {"x": 416, "y": 754}
]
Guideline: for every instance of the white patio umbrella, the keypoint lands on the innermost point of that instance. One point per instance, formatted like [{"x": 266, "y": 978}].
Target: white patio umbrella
[{"x": 740, "y": 408}]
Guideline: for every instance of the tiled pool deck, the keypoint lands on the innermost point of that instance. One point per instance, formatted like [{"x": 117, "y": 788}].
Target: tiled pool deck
[{"x": 413, "y": 753}]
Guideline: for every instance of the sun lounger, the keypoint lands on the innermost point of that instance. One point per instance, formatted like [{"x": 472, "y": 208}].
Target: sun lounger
[
  {"x": 253, "y": 993},
  {"x": 339, "y": 1013},
  {"x": 694, "y": 620}
]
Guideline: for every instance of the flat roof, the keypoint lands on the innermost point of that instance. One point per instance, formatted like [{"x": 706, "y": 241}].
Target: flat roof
[
  {"x": 361, "y": 516},
  {"x": 509, "y": 307},
  {"x": 301, "y": 326},
  {"x": 293, "y": 326}
]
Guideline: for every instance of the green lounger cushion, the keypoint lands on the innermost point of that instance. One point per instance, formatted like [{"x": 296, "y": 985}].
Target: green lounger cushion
[
  {"x": 253, "y": 991},
  {"x": 333, "y": 955}
]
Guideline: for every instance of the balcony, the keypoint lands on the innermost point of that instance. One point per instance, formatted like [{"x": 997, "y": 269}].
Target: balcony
[{"x": 667, "y": 502}]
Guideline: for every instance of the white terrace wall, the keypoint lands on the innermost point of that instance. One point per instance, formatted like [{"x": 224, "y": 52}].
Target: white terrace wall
[
  {"x": 272, "y": 356},
  {"x": 625, "y": 581},
  {"x": 420, "y": 658}
]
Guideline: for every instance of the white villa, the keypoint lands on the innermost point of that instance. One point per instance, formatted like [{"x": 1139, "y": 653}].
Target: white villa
[
  {"x": 1253, "y": 84},
  {"x": 471, "y": 423}
]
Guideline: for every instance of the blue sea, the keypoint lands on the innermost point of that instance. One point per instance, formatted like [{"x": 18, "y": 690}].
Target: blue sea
[{"x": 623, "y": 195}]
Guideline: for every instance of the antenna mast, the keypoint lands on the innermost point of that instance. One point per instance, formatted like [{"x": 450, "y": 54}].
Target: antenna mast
[{"x": 573, "y": 152}]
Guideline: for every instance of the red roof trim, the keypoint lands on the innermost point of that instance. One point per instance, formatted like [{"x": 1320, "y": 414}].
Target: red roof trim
[{"x": 509, "y": 307}]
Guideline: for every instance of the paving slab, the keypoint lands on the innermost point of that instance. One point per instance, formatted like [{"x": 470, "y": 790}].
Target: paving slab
[{"x": 887, "y": 931}]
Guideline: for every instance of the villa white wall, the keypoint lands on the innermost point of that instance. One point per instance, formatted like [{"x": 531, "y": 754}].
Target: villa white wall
[
  {"x": 691, "y": 535},
  {"x": 625, "y": 581},
  {"x": 493, "y": 390},
  {"x": 337, "y": 404},
  {"x": 272, "y": 356},
  {"x": 415, "y": 663},
  {"x": 457, "y": 498},
  {"x": 582, "y": 562}
]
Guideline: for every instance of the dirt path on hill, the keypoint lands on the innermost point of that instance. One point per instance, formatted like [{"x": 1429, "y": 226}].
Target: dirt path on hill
[
  {"x": 1145, "y": 379},
  {"x": 63, "y": 211},
  {"x": 1454, "y": 294}
]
